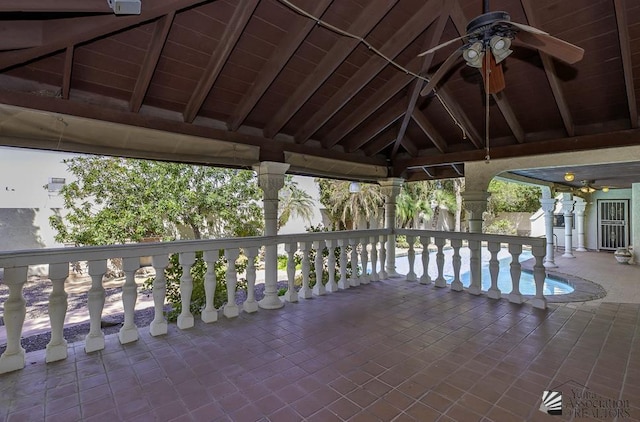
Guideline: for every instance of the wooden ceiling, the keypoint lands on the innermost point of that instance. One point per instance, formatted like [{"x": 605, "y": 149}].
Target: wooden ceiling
[{"x": 259, "y": 73}]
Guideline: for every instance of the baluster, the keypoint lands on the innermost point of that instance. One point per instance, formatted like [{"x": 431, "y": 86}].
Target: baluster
[
  {"x": 425, "y": 240},
  {"x": 185, "y": 319},
  {"x": 364, "y": 259},
  {"x": 515, "y": 296},
  {"x": 383, "y": 258},
  {"x": 440, "y": 281},
  {"x": 210, "y": 313},
  {"x": 539, "y": 274},
  {"x": 250, "y": 305},
  {"x": 291, "y": 295},
  {"x": 129, "y": 332},
  {"x": 331, "y": 285},
  {"x": 374, "y": 259},
  {"x": 15, "y": 310},
  {"x": 231, "y": 309},
  {"x": 456, "y": 284},
  {"x": 411, "y": 256},
  {"x": 318, "y": 288},
  {"x": 354, "y": 281},
  {"x": 57, "y": 346},
  {"x": 158, "y": 326},
  {"x": 305, "y": 291},
  {"x": 494, "y": 269},
  {"x": 95, "y": 339},
  {"x": 343, "y": 283},
  {"x": 475, "y": 267}
]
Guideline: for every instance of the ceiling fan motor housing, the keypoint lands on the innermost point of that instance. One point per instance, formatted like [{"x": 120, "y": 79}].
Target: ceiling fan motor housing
[{"x": 482, "y": 28}]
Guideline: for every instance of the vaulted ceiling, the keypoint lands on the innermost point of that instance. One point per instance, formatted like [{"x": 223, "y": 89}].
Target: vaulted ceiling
[{"x": 327, "y": 85}]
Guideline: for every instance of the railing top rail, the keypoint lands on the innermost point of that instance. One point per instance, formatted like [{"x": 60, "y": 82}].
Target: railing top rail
[
  {"x": 92, "y": 253},
  {"x": 522, "y": 240}
]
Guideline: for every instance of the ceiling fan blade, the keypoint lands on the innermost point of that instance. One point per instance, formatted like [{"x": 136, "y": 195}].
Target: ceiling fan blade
[
  {"x": 442, "y": 70},
  {"x": 525, "y": 28},
  {"x": 496, "y": 75},
  {"x": 438, "y": 47},
  {"x": 552, "y": 46}
]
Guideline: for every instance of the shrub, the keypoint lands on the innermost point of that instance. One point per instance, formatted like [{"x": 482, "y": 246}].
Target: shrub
[{"x": 501, "y": 227}]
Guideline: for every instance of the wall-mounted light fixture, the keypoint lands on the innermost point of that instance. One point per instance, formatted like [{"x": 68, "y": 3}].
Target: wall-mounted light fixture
[
  {"x": 568, "y": 176},
  {"x": 354, "y": 187}
]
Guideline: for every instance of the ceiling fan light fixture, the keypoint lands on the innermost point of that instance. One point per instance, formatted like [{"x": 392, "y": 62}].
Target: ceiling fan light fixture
[
  {"x": 568, "y": 176},
  {"x": 474, "y": 54},
  {"x": 605, "y": 189},
  {"x": 500, "y": 47}
]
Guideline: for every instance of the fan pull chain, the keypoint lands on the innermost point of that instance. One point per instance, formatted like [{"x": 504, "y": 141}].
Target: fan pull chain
[{"x": 487, "y": 157}]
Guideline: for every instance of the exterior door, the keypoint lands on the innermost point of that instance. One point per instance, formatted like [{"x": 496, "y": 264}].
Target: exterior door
[{"x": 613, "y": 223}]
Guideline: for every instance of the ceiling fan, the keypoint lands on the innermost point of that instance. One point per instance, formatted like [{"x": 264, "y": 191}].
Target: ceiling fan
[{"x": 493, "y": 32}]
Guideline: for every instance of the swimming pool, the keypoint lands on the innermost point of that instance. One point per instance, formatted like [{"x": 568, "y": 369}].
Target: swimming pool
[{"x": 552, "y": 286}]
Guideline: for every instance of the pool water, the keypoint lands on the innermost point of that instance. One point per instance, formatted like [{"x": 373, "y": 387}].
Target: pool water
[{"x": 552, "y": 286}]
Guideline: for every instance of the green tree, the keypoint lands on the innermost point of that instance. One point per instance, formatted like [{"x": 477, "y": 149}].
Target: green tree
[
  {"x": 294, "y": 202},
  {"x": 513, "y": 197},
  {"x": 347, "y": 208},
  {"x": 116, "y": 200}
]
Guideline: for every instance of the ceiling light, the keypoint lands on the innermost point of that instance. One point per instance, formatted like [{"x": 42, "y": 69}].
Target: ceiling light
[
  {"x": 605, "y": 189},
  {"x": 568, "y": 176},
  {"x": 474, "y": 54},
  {"x": 500, "y": 47}
]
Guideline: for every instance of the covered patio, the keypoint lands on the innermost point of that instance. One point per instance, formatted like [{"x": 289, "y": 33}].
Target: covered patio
[{"x": 390, "y": 350}]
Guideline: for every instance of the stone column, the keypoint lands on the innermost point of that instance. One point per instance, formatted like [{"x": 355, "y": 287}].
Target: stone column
[
  {"x": 567, "y": 208},
  {"x": 580, "y": 207},
  {"x": 271, "y": 180},
  {"x": 549, "y": 206},
  {"x": 391, "y": 189},
  {"x": 475, "y": 202}
]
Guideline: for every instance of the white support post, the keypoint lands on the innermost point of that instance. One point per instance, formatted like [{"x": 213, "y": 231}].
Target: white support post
[
  {"x": 494, "y": 268},
  {"x": 331, "y": 285},
  {"x": 305, "y": 291},
  {"x": 440, "y": 280},
  {"x": 210, "y": 313},
  {"x": 250, "y": 305},
  {"x": 185, "y": 319},
  {"x": 411, "y": 257},
  {"x": 390, "y": 189},
  {"x": 475, "y": 202},
  {"x": 318, "y": 288},
  {"x": 567, "y": 206},
  {"x": 364, "y": 260},
  {"x": 129, "y": 332},
  {"x": 580, "y": 206},
  {"x": 291, "y": 295},
  {"x": 549, "y": 206},
  {"x": 231, "y": 309},
  {"x": 456, "y": 284},
  {"x": 343, "y": 283},
  {"x": 158, "y": 326},
  {"x": 475, "y": 267},
  {"x": 94, "y": 341},
  {"x": 425, "y": 240},
  {"x": 57, "y": 346},
  {"x": 516, "y": 270},
  {"x": 15, "y": 310}
]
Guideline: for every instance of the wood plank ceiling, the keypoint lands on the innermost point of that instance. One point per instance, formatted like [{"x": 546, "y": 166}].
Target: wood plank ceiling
[{"x": 323, "y": 85}]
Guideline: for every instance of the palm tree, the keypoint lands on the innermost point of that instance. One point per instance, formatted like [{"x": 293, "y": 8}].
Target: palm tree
[
  {"x": 294, "y": 202},
  {"x": 347, "y": 208}
]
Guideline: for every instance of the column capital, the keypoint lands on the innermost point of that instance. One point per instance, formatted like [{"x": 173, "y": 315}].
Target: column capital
[
  {"x": 475, "y": 202},
  {"x": 271, "y": 175},
  {"x": 580, "y": 207},
  {"x": 391, "y": 187},
  {"x": 548, "y": 204}
]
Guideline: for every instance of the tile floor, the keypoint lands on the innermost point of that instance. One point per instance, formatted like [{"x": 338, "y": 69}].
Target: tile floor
[{"x": 389, "y": 351}]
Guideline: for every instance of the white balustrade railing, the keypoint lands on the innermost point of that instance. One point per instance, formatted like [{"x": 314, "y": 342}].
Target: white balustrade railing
[
  {"x": 367, "y": 250},
  {"x": 475, "y": 241}
]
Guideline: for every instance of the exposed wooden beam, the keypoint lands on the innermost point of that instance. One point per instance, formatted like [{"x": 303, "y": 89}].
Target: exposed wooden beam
[
  {"x": 380, "y": 143},
  {"x": 242, "y": 14},
  {"x": 409, "y": 146},
  {"x": 549, "y": 69},
  {"x": 569, "y": 144},
  {"x": 429, "y": 130},
  {"x": 366, "y": 108},
  {"x": 362, "y": 25},
  {"x": 460, "y": 117},
  {"x": 508, "y": 114},
  {"x": 55, "y": 6},
  {"x": 66, "y": 73},
  {"x": 433, "y": 39},
  {"x": 375, "y": 127},
  {"x": 419, "y": 174},
  {"x": 61, "y": 33},
  {"x": 91, "y": 111},
  {"x": 20, "y": 34},
  {"x": 627, "y": 65},
  {"x": 394, "y": 46},
  {"x": 151, "y": 58},
  {"x": 298, "y": 29}
]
